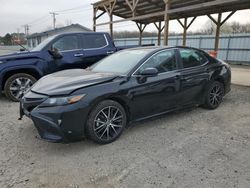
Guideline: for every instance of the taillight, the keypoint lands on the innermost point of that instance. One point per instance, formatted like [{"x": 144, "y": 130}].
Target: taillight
[{"x": 213, "y": 54}]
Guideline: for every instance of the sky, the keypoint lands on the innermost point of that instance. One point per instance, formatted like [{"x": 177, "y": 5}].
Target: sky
[{"x": 16, "y": 13}]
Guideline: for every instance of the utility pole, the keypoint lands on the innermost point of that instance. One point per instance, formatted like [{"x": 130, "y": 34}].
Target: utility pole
[
  {"x": 54, "y": 18},
  {"x": 26, "y": 29}
]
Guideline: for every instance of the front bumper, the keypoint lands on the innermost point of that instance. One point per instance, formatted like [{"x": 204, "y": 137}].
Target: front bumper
[{"x": 59, "y": 123}]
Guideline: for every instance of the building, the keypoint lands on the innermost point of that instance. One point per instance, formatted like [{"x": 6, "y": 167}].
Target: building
[{"x": 36, "y": 38}]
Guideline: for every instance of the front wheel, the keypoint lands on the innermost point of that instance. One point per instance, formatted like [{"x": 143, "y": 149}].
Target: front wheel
[
  {"x": 106, "y": 122},
  {"x": 214, "y": 95},
  {"x": 17, "y": 85}
]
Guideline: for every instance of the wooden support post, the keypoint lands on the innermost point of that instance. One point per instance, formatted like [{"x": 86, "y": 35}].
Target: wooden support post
[
  {"x": 94, "y": 19},
  {"x": 166, "y": 21},
  {"x": 185, "y": 26},
  {"x": 109, "y": 9},
  {"x": 141, "y": 28},
  {"x": 218, "y": 24},
  {"x": 160, "y": 29},
  {"x": 111, "y": 26},
  {"x": 184, "y": 40},
  {"x": 217, "y": 34},
  {"x": 159, "y": 34}
]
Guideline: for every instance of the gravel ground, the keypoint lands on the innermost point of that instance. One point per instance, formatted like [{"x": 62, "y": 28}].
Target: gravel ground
[{"x": 195, "y": 148}]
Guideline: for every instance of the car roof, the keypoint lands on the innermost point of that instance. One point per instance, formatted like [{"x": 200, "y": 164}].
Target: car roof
[{"x": 159, "y": 48}]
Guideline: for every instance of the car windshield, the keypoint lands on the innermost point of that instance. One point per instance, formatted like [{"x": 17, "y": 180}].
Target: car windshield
[
  {"x": 121, "y": 62},
  {"x": 40, "y": 46}
]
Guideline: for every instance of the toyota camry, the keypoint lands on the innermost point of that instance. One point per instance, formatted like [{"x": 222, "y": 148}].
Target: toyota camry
[{"x": 129, "y": 86}]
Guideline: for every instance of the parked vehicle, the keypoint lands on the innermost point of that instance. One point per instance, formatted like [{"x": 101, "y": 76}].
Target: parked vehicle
[
  {"x": 129, "y": 86},
  {"x": 19, "y": 71}
]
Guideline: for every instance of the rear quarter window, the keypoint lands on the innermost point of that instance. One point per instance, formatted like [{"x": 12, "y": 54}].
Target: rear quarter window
[
  {"x": 91, "y": 41},
  {"x": 192, "y": 58}
]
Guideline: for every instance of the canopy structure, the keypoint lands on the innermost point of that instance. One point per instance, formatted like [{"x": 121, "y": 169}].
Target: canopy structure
[{"x": 144, "y": 12}]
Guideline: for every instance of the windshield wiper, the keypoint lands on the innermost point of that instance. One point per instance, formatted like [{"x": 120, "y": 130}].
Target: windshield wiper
[{"x": 26, "y": 49}]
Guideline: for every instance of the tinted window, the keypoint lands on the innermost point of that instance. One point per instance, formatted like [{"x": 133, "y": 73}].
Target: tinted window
[
  {"x": 94, "y": 41},
  {"x": 164, "y": 61},
  {"x": 66, "y": 43},
  {"x": 192, "y": 58},
  {"x": 121, "y": 62}
]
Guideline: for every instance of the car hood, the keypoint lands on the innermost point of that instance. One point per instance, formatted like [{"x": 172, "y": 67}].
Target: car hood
[
  {"x": 18, "y": 55},
  {"x": 65, "y": 82}
]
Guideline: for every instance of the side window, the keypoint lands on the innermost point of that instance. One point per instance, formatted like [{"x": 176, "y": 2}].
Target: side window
[
  {"x": 164, "y": 61},
  {"x": 192, "y": 58},
  {"x": 94, "y": 41},
  {"x": 66, "y": 43}
]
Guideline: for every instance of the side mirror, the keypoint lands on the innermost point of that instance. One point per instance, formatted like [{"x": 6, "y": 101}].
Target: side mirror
[
  {"x": 149, "y": 72},
  {"x": 54, "y": 52}
]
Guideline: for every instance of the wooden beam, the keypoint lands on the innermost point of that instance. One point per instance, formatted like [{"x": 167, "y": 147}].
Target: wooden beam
[
  {"x": 192, "y": 21},
  {"x": 173, "y": 11},
  {"x": 229, "y": 16},
  {"x": 100, "y": 15},
  {"x": 211, "y": 18},
  {"x": 180, "y": 23}
]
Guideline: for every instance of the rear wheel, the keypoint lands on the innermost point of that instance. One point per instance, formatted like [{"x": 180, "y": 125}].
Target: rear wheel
[
  {"x": 106, "y": 122},
  {"x": 17, "y": 85},
  {"x": 214, "y": 95}
]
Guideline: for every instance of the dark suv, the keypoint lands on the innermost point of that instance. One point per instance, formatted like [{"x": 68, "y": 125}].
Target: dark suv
[{"x": 19, "y": 71}]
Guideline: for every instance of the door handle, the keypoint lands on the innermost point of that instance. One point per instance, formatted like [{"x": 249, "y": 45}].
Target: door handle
[
  {"x": 78, "y": 55},
  {"x": 110, "y": 52}
]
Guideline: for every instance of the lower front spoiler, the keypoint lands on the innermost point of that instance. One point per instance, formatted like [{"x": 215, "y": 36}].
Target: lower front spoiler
[{"x": 48, "y": 130}]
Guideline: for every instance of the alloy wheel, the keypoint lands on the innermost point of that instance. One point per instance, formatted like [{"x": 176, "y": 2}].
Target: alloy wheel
[
  {"x": 216, "y": 95},
  {"x": 108, "y": 123},
  {"x": 20, "y": 86}
]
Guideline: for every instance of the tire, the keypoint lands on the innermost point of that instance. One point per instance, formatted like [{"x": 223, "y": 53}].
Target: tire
[
  {"x": 214, "y": 95},
  {"x": 17, "y": 85},
  {"x": 106, "y": 122}
]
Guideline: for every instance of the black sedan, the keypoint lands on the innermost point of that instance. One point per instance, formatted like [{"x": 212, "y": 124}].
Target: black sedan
[{"x": 131, "y": 85}]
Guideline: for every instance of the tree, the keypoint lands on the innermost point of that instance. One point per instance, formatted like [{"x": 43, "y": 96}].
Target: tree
[{"x": 7, "y": 39}]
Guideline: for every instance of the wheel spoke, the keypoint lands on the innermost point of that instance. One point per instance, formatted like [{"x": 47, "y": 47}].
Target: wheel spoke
[
  {"x": 18, "y": 81},
  {"x": 117, "y": 118},
  {"x": 14, "y": 88},
  {"x": 115, "y": 114},
  {"x": 114, "y": 129},
  {"x": 97, "y": 128},
  {"x": 105, "y": 115},
  {"x": 114, "y": 125},
  {"x": 103, "y": 133}
]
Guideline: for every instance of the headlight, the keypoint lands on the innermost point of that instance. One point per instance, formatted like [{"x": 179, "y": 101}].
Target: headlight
[{"x": 60, "y": 101}]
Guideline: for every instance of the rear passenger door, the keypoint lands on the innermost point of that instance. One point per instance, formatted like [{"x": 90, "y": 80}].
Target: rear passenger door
[
  {"x": 194, "y": 75},
  {"x": 96, "y": 47}
]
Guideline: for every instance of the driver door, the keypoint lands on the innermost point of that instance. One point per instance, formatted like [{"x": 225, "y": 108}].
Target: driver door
[
  {"x": 72, "y": 53},
  {"x": 154, "y": 95}
]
